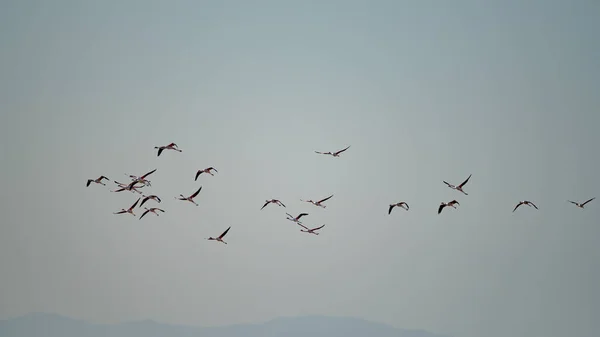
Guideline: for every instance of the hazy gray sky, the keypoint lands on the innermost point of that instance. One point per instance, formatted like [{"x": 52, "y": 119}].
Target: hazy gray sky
[{"x": 423, "y": 91}]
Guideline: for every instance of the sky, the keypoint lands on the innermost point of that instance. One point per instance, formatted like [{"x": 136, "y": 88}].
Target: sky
[{"x": 422, "y": 91}]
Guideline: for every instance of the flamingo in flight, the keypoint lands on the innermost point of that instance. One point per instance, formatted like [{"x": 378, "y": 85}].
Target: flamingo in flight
[
  {"x": 190, "y": 198},
  {"x": 295, "y": 219},
  {"x": 150, "y": 197},
  {"x": 220, "y": 237},
  {"x": 128, "y": 187},
  {"x": 525, "y": 202},
  {"x": 272, "y": 201},
  {"x": 318, "y": 203},
  {"x": 129, "y": 210},
  {"x": 401, "y": 204},
  {"x": 451, "y": 204},
  {"x": 334, "y": 154},
  {"x": 311, "y": 231},
  {"x": 580, "y": 205},
  {"x": 142, "y": 179},
  {"x": 153, "y": 210},
  {"x": 171, "y": 146},
  {"x": 459, "y": 187},
  {"x": 206, "y": 170},
  {"x": 97, "y": 181}
]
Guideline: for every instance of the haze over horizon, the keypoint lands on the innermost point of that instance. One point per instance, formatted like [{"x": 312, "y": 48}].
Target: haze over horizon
[{"x": 422, "y": 91}]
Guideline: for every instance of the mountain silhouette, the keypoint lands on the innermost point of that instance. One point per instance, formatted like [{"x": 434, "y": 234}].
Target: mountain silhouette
[{"x": 52, "y": 325}]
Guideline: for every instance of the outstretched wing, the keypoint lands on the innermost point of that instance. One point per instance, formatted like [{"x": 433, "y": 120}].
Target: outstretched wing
[
  {"x": 588, "y": 201},
  {"x": 136, "y": 202},
  {"x": 532, "y": 204},
  {"x": 340, "y": 151},
  {"x": 464, "y": 182},
  {"x": 147, "y": 174},
  {"x": 160, "y": 150},
  {"x": 449, "y": 185},
  {"x": 441, "y": 208},
  {"x": 314, "y": 229},
  {"x": 88, "y": 182},
  {"x": 197, "y": 174},
  {"x": 329, "y": 197},
  {"x": 144, "y": 214},
  {"x": 143, "y": 201},
  {"x": 573, "y": 202},
  {"x": 391, "y": 208},
  {"x": 265, "y": 205},
  {"x": 281, "y": 203},
  {"x": 301, "y": 215},
  {"x": 519, "y": 204},
  {"x": 224, "y": 233},
  {"x": 195, "y": 194},
  {"x": 212, "y": 168}
]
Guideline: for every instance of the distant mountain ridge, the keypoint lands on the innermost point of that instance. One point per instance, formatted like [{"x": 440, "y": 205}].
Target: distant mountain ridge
[{"x": 53, "y": 325}]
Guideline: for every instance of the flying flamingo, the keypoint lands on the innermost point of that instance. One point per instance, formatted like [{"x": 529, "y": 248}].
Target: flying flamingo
[
  {"x": 459, "y": 187},
  {"x": 150, "y": 197},
  {"x": 97, "y": 181},
  {"x": 220, "y": 238},
  {"x": 206, "y": 170},
  {"x": 171, "y": 146},
  {"x": 334, "y": 154},
  {"x": 451, "y": 204},
  {"x": 142, "y": 179},
  {"x": 130, "y": 210},
  {"x": 318, "y": 203},
  {"x": 272, "y": 201},
  {"x": 129, "y": 187},
  {"x": 153, "y": 210},
  {"x": 580, "y": 205},
  {"x": 191, "y": 197},
  {"x": 525, "y": 202},
  {"x": 401, "y": 204},
  {"x": 295, "y": 219},
  {"x": 307, "y": 230}
]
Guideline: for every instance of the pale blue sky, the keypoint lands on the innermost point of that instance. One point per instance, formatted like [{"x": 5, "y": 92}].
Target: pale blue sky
[{"x": 423, "y": 91}]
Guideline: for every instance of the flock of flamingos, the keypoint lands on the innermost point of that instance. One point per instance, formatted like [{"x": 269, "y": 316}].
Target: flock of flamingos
[{"x": 141, "y": 181}]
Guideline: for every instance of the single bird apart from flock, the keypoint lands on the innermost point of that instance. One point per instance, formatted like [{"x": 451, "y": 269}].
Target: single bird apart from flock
[
  {"x": 444, "y": 204},
  {"x": 459, "y": 187},
  {"x": 318, "y": 203},
  {"x": 580, "y": 205},
  {"x": 150, "y": 197},
  {"x": 171, "y": 146},
  {"x": 401, "y": 204},
  {"x": 153, "y": 210},
  {"x": 525, "y": 202},
  {"x": 311, "y": 231},
  {"x": 272, "y": 201},
  {"x": 97, "y": 181},
  {"x": 334, "y": 154},
  {"x": 191, "y": 197},
  {"x": 130, "y": 209},
  {"x": 206, "y": 170},
  {"x": 220, "y": 237}
]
